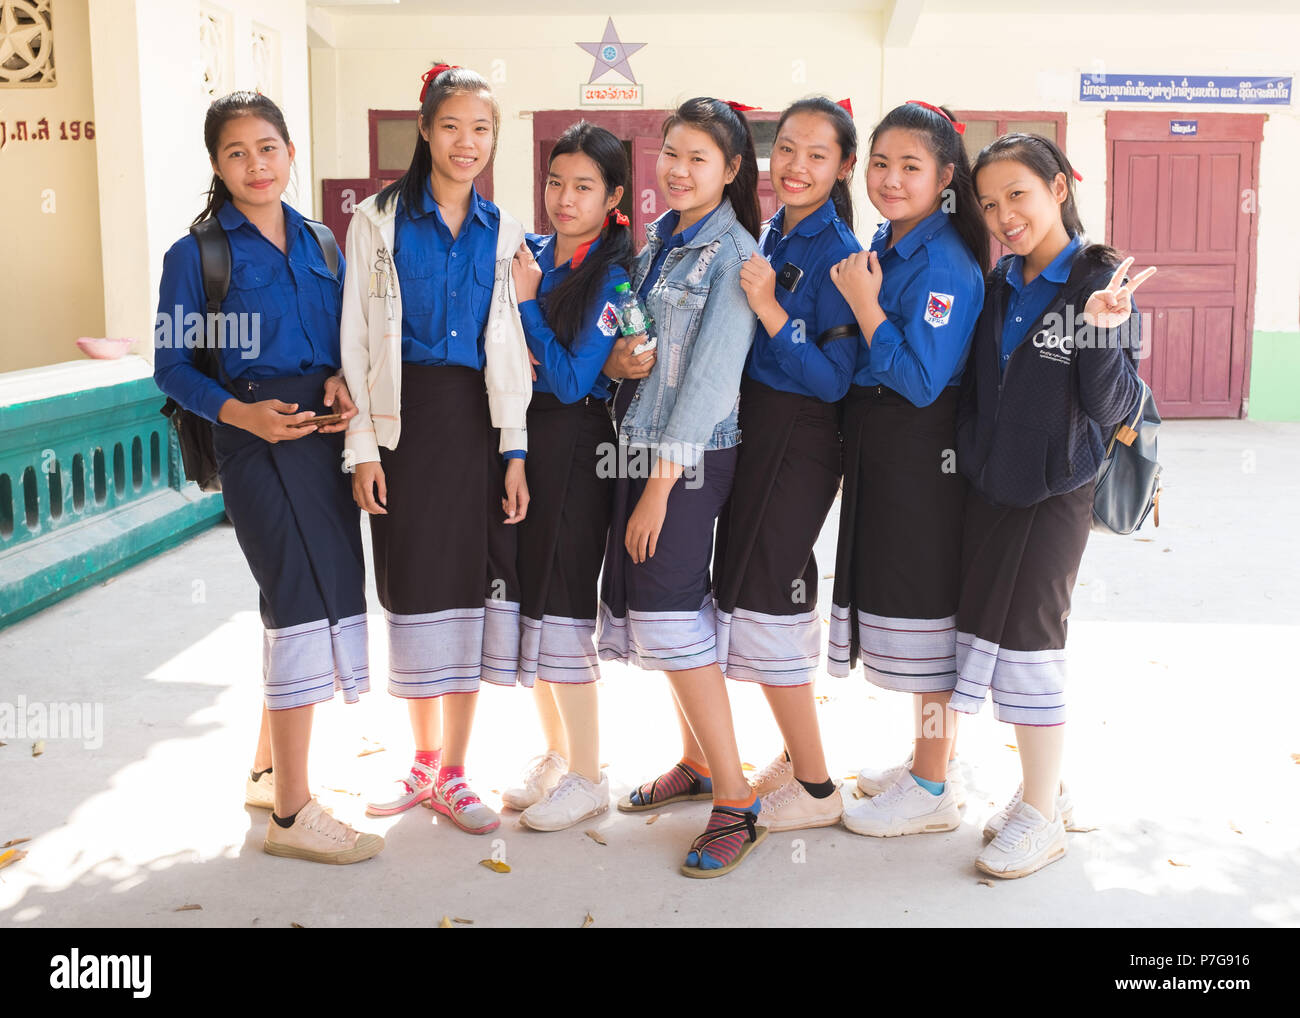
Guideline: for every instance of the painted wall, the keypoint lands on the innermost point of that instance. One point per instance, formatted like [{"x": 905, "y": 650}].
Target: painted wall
[{"x": 51, "y": 287}]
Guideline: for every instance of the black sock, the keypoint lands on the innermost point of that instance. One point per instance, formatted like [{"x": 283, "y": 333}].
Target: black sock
[
  {"x": 283, "y": 822},
  {"x": 257, "y": 775},
  {"x": 818, "y": 789}
]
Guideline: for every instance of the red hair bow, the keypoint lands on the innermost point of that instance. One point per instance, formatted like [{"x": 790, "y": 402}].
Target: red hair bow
[
  {"x": 619, "y": 218},
  {"x": 740, "y": 107},
  {"x": 428, "y": 76},
  {"x": 847, "y": 105},
  {"x": 1077, "y": 175},
  {"x": 959, "y": 128}
]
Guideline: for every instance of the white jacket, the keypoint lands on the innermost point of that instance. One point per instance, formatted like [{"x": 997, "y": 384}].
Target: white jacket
[{"x": 370, "y": 337}]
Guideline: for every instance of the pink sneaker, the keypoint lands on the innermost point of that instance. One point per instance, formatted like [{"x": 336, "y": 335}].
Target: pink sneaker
[
  {"x": 455, "y": 800},
  {"x": 416, "y": 788}
]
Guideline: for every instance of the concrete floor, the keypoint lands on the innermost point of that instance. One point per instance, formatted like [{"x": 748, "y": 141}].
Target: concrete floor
[{"x": 1182, "y": 755}]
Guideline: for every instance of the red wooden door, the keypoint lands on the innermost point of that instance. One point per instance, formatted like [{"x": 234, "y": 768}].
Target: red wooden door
[
  {"x": 541, "y": 159},
  {"x": 339, "y": 196},
  {"x": 1186, "y": 205},
  {"x": 647, "y": 203}
]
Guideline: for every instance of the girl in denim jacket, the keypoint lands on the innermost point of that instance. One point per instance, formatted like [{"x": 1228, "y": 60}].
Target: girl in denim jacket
[{"x": 677, "y": 447}]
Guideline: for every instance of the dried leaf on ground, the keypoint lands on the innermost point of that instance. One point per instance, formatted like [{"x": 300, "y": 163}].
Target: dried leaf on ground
[
  {"x": 1295, "y": 757},
  {"x": 987, "y": 883},
  {"x": 38, "y": 747},
  {"x": 14, "y": 841},
  {"x": 463, "y": 922},
  {"x": 298, "y": 926},
  {"x": 1172, "y": 863},
  {"x": 651, "y": 818},
  {"x": 11, "y": 856},
  {"x": 445, "y": 924},
  {"x": 1233, "y": 827},
  {"x": 586, "y": 922},
  {"x": 1082, "y": 829},
  {"x": 595, "y": 836},
  {"x": 342, "y": 791},
  {"x": 189, "y": 908},
  {"x": 495, "y": 865},
  {"x": 747, "y": 767},
  {"x": 369, "y": 750},
  {"x": 1013, "y": 749}
]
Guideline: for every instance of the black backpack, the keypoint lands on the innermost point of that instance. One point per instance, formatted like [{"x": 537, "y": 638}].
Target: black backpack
[{"x": 194, "y": 433}]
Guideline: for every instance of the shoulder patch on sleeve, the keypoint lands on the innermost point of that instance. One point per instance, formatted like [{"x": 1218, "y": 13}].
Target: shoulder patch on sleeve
[
  {"x": 609, "y": 320},
  {"x": 938, "y": 308}
]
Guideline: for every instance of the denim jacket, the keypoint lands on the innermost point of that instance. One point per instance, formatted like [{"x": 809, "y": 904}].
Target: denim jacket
[{"x": 689, "y": 402}]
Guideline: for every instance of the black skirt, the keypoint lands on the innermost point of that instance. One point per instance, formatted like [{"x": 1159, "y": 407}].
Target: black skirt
[
  {"x": 765, "y": 572},
  {"x": 299, "y": 529},
  {"x": 444, "y": 558},
  {"x": 562, "y": 539},
  {"x": 898, "y": 563},
  {"x": 1018, "y": 573}
]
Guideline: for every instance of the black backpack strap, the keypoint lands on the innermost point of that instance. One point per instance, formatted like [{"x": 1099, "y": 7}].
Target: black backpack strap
[
  {"x": 328, "y": 245},
  {"x": 214, "y": 264}
]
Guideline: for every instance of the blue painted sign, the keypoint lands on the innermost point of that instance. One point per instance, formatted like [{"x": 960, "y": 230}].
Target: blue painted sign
[
  {"x": 1182, "y": 127},
  {"x": 1222, "y": 89}
]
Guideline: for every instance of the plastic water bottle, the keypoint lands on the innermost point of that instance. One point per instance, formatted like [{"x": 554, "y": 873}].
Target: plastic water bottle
[{"x": 633, "y": 316}]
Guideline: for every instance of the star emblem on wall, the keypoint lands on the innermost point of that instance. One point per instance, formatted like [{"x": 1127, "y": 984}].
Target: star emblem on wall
[{"x": 611, "y": 54}]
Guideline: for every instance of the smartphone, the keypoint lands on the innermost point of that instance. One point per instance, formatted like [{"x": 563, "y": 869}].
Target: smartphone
[
  {"x": 648, "y": 345},
  {"x": 789, "y": 277},
  {"x": 319, "y": 419}
]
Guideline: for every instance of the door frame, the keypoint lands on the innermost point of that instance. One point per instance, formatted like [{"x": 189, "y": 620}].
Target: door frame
[{"x": 1144, "y": 125}]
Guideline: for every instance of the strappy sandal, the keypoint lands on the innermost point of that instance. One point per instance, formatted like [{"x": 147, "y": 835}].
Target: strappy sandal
[
  {"x": 744, "y": 822},
  {"x": 693, "y": 791}
]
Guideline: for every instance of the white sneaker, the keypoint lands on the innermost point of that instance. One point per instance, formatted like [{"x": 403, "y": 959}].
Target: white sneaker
[
  {"x": 775, "y": 775},
  {"x": 260, "y": 793},
  {"x": 792, "y": 808},
  {"x": 873, "y": 782},
  {"x": 904, "y": 808},
  {"x": 1025, "y": 845},
  {"x": 543, "y": 774},
  {"x": 1064, "y": 810},
  {"x": 570, "y": 802}
]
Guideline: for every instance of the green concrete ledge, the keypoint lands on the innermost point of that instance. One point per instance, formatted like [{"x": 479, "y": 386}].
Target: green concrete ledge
[
  {"x": 90, "y": 480},
  {"x": 1275, "y": 377}
]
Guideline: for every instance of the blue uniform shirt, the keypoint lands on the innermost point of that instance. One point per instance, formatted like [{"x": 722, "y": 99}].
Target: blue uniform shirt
[
  {"x": 805, "y": 356},
  {"x": 287, "y": 307},
  {"x": 673, "y": 240},
  {"x": 446, "y": 281},
  {"x": 1028, "y": 301},
  {"x": 932, "y": 294},
  {"x": 573, "y": 371}
]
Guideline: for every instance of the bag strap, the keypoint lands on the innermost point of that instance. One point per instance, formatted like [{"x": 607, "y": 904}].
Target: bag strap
[
  {"x": 328, "y": 245},
  {"x": 214, "y": 265}
]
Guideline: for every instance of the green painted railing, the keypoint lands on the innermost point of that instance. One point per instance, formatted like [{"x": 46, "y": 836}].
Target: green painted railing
[{"x": 90, "y": 481}]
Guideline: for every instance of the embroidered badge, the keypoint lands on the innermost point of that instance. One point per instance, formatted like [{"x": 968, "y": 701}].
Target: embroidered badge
[
  {"x": 609, "y": 320},
  {"x": 938, "y": 308}
]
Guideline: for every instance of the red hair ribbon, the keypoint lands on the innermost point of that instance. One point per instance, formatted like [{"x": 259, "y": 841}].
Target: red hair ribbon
[
  {"x": 740, "y": 107},
  {"x": 428, "y": 76},
  {"x": 959, "y": 128},
  {"x": 618, "y": 217},
  {"x": 847, "y": 105},
  {"x": 1077, "y": 175}
]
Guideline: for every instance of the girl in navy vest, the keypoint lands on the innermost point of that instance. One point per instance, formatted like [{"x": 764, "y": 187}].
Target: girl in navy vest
[
  {"x": 805, "y": 348},
  {"x": 1051, "y": 373},
  {"x": 442, "y": 403},
  {"x": 568, "y": 291},
  {"x": 916, "y": 295},
  {"x": 281, "y": 476},
  {"x": 679, "y": 431}
]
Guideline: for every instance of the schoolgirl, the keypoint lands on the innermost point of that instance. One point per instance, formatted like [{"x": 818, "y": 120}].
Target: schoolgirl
[
  {"x": 916, "y": 295},
  {"x": 280, "y": 473},
  {"x": 678, "y": 431},
  {"x": 567, "y": 286},
  {"x": 433, "y": 346},
  {"x": 805, "y": 348},
  {"x": 1052, "y": 372}
]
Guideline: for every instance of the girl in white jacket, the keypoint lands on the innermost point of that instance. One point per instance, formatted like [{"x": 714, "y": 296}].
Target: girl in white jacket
[{"x": 432, "y": 343}]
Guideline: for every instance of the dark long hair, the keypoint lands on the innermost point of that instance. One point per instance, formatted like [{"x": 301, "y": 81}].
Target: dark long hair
[
  {"x": 569, "y": 304},
  {"x": 730, "y": 132},
  {"x": 1044, "y": 158},
  {"x": 944, "y": 143},
  {"x": 846, "y": 135},
  {"x": 453, "y": 81},
  {"x": 221, "y": 112}
]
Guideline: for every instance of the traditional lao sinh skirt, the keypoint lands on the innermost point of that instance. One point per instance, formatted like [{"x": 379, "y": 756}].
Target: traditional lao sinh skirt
[
  {"x": 765, "y": 572},
  {"x": 444, "y": 557},
  {"x": 292, "y": 508},
  {"x": 1018, "y": 572},
  {"x": 659, "y": 614},
  {"x": 562, "y": 540},
  {"x": 898, "y": 563}
]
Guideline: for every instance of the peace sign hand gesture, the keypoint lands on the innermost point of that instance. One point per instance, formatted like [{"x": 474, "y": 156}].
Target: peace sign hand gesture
[{"x": 1111, "y": 307}]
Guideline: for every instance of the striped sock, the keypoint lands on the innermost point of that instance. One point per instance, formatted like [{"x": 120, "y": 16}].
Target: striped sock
[
  {"x": 724, "y": 851},
  {"x": 673, "y": 782}
]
